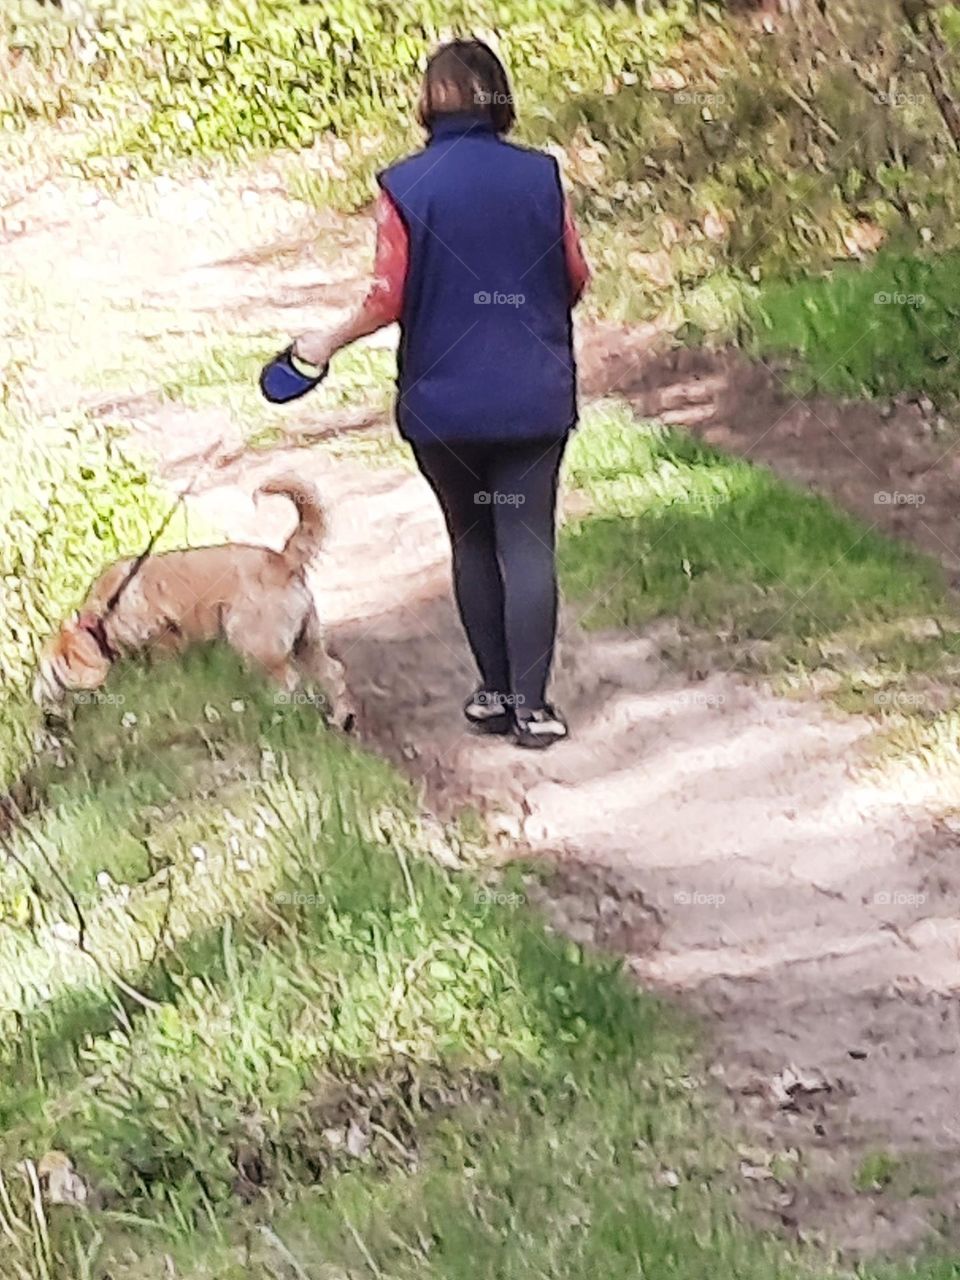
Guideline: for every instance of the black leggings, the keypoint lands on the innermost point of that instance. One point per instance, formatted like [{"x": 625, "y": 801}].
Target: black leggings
[{"x": 499, "y": 502}]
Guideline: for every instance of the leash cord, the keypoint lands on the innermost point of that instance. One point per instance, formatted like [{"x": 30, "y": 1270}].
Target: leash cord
[{"x": 137, "y": 565}]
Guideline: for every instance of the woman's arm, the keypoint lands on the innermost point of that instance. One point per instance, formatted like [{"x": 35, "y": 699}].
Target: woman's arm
[
  {"x": 578, "y": 268},
  {"x": 384, "y": 301}
]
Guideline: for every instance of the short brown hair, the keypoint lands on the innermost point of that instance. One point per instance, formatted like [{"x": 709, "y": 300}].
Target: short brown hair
[{"x": 466, "y": 76}]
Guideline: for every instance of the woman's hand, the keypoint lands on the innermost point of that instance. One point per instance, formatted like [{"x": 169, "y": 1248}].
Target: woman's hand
[{"x": 315, "y": 348}]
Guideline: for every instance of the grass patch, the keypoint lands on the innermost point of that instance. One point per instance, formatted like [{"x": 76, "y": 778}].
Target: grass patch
[
  {"x": 234, "y": 992},
  {"x": 877, "y": 1171},
  {"x": 289, "y": 1034},
  {"x": 763, "y": 576},
  {"x": 74, "y": 499},
  {"x": 286, "y": 1033},
  {"x": 874, "y": 330}
]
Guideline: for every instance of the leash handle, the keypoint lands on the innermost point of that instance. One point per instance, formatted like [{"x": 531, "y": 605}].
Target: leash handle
[{"x": 284, "y": 378}]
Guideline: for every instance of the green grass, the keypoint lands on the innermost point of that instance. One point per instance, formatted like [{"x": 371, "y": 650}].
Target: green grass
[
  {"x": 877, "y": 1171},
  {"x": 290, "y": 1034},
  {"x": 267, "y": 958},
  {"x": 876, "y": 330},
  {"x": 761, "y": 575},
  {"x": 74, "y": 499}
]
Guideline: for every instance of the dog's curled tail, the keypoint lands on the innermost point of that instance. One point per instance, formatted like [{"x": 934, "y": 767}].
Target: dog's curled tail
[{"x": 307, "y": 537}]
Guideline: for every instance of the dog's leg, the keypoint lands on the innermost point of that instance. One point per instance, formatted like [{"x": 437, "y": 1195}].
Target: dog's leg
[
  {"x": 165, "y": 644},
  {"x": 317, "y": 663},
  {"x": 269, "y": 651},
  {"x": 284, "y": 673}
]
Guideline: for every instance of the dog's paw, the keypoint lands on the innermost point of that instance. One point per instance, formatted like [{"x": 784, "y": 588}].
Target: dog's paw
[{"x": 346, "y": 715}]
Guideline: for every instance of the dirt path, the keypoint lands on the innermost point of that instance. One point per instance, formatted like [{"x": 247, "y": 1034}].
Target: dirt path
[{"x": 725, "y": 840}]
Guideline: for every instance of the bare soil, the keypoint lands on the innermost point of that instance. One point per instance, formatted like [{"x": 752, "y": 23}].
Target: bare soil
[{"x": 728, "y": 842}]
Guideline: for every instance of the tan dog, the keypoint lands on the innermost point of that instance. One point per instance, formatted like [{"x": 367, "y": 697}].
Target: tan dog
[{"x": 254, "y": 598}]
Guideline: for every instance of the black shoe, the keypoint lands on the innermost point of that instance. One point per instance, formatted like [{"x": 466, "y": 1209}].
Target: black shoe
[
  {"x": 487, "y": 712},
  {"x": 539, "y": 729}
]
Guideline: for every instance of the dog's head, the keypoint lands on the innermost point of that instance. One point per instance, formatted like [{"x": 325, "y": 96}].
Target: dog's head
[{"x": 72, "y": 660}]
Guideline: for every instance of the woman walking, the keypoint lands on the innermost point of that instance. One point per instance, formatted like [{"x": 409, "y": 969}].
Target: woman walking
[{"x": 479, "y": 261}]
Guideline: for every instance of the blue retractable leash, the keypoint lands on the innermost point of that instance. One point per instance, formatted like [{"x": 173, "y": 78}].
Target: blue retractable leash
[{"x": 283, "y": 379}]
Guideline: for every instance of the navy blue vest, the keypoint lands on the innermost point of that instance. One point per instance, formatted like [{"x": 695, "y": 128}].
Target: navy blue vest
[{"x": 486, "y": 345}]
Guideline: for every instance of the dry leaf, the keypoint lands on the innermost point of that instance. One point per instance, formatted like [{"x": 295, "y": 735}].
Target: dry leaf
[
  {"x": 63, "y": 1184},
  {"x": 357, "y": 1140},
  {"x": 714, "y": 226},
  {"x": 667, "y": 80},
  {"x": 792, "y": 1084},
  {"x": 671, "y": 231},
  {"x": 657, "y": 267}
]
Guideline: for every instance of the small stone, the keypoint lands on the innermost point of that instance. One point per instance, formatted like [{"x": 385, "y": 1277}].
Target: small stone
[{"x": 357, "y": 1140}]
